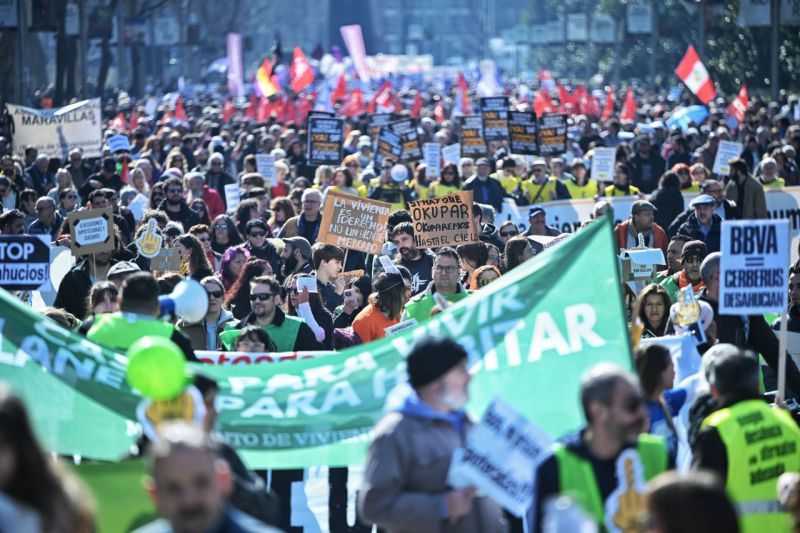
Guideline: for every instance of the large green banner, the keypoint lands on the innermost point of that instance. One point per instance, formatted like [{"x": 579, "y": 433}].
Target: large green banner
[{"x": 530, "y": 336}]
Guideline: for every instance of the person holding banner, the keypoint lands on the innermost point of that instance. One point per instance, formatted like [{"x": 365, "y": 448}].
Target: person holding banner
[
  {"x": 405, "y": 487},
  {"x": 585, "y": 466},
  {"x": 748, "y": 444}
]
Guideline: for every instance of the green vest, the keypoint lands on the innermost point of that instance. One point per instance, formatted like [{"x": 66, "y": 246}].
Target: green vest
[
  {"x": 576, "y": 477},
  {"x": 419, "y": 308},
  {"x": 761, "y": 443},
  {"x": 119, "y": 331},
  {"x": 284, "y": 336}
]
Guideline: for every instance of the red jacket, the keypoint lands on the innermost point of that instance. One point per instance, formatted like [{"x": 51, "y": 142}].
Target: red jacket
[
  {"x": 214, "y": 202},
  {"x": 659, "y": 239}
]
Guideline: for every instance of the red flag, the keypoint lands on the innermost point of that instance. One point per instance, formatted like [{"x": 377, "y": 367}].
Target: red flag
[
  {"x": 264, "y": 110},
  {"x": 542, "y": 103},
  {"x": 628, "y": 107},
  {"x": 384, "y": 98},
  {"x": 564, "y": 99},
  {"x": 134, "y": 120},
  {"x": 228, "y": 111},
  {"x": 463, "y": 104},
  {"x": 180, "y": 113},
  {"x": 250, "y": 112},
  {"x": 166, "y": 117},
  {"x": 118, "y": 123},
  {"x": 354, "y": 105},
  {"x": 438, "y": 112},
  {"x": 288, "y": 111},
  {"x": 305, "y": 106},
  {"x": 739, "y": 105},
  {"x": 340, "y": 92},
  {"x": 416, "y": 107},
  {"x": 608, "y": 110},
  {"x": 300, "y": 73},
  {"x": 693, "y": 73}
]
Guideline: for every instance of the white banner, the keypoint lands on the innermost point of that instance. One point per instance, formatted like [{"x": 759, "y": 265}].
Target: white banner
[
  {"x": 568, "y": 215},
  {"x": 55, "y": 132},
  {"x": 235, "y": 71},
  {"x": 603, "y": 163}
]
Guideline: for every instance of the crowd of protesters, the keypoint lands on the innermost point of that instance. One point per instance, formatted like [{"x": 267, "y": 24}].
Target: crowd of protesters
[{"x": 254, "y": 260}]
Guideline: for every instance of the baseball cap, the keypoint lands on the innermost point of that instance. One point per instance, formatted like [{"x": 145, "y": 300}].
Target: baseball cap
[
  {"x": 482, "y": 161},
  {"x": 539, "y": 163},
  {"x": 301, "y": 243},
  {"x": 121, "y": 268},
  {"x": 703, "y": 199},
  {"x": 535, "y": 210}
]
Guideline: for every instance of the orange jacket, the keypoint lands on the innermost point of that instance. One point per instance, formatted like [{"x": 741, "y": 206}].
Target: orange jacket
[{"x": 659, "y": 239}]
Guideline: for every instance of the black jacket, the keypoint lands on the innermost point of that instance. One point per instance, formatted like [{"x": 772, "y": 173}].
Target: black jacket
[
  {"x": 185, "y": 216},
  {"x": 731, "y": 213},
  {"x": 490, "y": 192},
  {"x": 270, "y": 255},
  {"x": 114, "y": 182},
  {"x": 74, "y": 290},
  {"x": 752, "y": 332},
  {"x": 669, "y": 205},
  {"x": 691, "y": 228}
]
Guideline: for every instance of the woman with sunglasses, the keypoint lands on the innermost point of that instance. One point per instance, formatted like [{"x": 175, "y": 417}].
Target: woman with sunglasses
[
  {"x": 237, "y": 299},
  {"x": 199, "y": 206},
  {"x": 448, "y": 183},
  {"x": 204, "y": 335},
  {"x": 224, "y": 234},
  {"x": 483, "y": 276},
  {"x": 68, "y": 201},
  {"x": 308, "y": 306},
  {"x": 63, "y": 182},
  {"x": 507, "y": 230}
]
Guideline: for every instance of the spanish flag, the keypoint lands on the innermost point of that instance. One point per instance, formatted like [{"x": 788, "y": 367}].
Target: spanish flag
[{"x": 266, "y": 81}]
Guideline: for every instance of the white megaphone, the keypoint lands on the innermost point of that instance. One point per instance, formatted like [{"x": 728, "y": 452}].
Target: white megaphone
[{"x": 188, "y": 301}]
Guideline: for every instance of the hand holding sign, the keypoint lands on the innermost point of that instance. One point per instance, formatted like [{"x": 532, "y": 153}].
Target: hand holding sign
[{"x": 149, "y": 242}]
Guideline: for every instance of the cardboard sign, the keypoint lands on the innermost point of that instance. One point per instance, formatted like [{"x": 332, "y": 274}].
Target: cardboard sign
[
  {"x": 265, "y": 165},
  {"x": 325, "y": 136},
  {"x": 452, "y": 154},
  {"x": 500, "y": 457},
  {"x": 232, "y": 196},
  {"x": 603, "y": 162},
  {"x": 472, "y": 143},
  {"x": 390, "y": 145},
  {"x": 433, "y": 159},
  {"x": 402, "y": 326},
  {"x": 354, "y": 223},
  {"x": 91, "y": 231},
  {"x": 522, "y": 132},
  {"x": 24, "y": 261},
  {"x": 376, "y": 122},
  {"x": 726, "y": 151},
  {"x": 553, "y": 134},
  {"x": 409, "y": 136},
  {"x": 444, "y": 221},
  {"x": 494, "y": 115},
  {"x": 754, "y": 268},
  {"x": 307, "y": 283},
  {"x": 167, "y": 260}
]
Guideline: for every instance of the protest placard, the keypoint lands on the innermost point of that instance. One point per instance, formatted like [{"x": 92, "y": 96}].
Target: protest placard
[
  {"x": 325, "y": 140},
  {"x": 57, "y": 131},
  {"x": 307, "y": 283},
  {"x": 754, "y": 268},
  {"x": 500, "y": 457},
  {"x": 433, "y": 159},
  {"x": 119, "y": 143},
  {"x": 472, "y": 143},
  {"x": 210, "y": 357},
  {"x": 444, "y": 221},
  {"x": 409, "y": 137},
  {"x": 400, "y": 327},
  {"x": 232, "y": 196},
  {"x": 452, "y": 154},
  {"x": 91, "y": 231},
  {"x": 553, "y": 134},
  {"x": 726, "y": 151},
  {"x": 603, "y": 162},
  {"x": 376, "y": 122},
  {"x": 390, "y": 145},
  {"x": 167, "y": 260},
  {"x": 24, "y": 261},
  {"x": 354, "y": 223},
  {"x": 323, "y": 114},
  {"x": 522, "y": 133},
  {"x": 494, "y": 115},
  {"x": 265, "y": 165}
]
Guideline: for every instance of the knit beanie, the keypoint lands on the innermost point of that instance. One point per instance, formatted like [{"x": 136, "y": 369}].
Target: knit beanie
[{"x": 432, "y": 358}]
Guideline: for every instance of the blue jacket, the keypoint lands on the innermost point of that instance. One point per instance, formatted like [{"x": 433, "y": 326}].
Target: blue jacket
[{"x": 488, "y": 192}]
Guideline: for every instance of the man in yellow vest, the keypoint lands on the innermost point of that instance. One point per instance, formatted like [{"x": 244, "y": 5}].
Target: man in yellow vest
[
  {"x": 137, "y": 318},
  {"x": 748, "y": 443},
  {"x": 604, "y": 468}
]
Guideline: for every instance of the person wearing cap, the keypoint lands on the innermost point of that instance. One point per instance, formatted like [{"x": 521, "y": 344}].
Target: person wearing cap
[
  {"x": 578, "y": 182},
  {"x": 405, "y": 485},
  {"x": 391, "y": 186},
  {"x": 505, "y": 175},
  {"x": 537, "y": 187},
  {"x": 642, "y": 220},
  {"x": 485, "y": 189},
  {"x": 106, "y": 178},
  {"x": 537, "y": 218},
  {"x": 748, "y": 444},
  {"x": 558, "y": 169},
  {"x": 745, "y": 191},
  {"x": 296, "y": 256},
  {"x": 769, "y": 178},
  {"x": 673, "y": 257},
  {"x": 692, "y": 256},
  {"x": 120, "y": 271},
  {"x": 703, "y": 224}
]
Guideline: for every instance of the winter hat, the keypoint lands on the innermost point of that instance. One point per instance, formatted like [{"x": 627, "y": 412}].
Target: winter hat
[
  {"x": 695, "y": 249},
  {"x": 432, "y": 358}
]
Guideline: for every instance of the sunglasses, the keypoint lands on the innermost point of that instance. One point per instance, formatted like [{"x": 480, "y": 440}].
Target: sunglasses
[
  {"x": 509, "y": 233},
  {"x": 215, "y": 294},
  {"x": 262, "y": 296},
  {"x": 257, "y": 234},
  {"x": 446, "y": 269},
  {"x": 174, "y": 191},
  {"x": 485, "y": 281}
]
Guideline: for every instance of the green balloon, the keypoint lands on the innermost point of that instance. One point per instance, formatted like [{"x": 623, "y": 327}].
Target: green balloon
[{"x": 156, "y": 368}]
